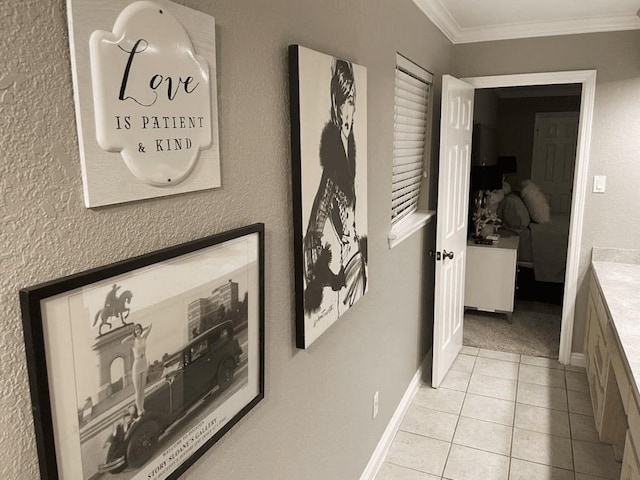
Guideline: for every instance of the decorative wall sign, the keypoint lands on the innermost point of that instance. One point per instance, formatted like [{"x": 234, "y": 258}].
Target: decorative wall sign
[
  {"x": 137, "y": 368},
  {"x": 146, "y": 101},
  {"x": 329, "y": 149}
]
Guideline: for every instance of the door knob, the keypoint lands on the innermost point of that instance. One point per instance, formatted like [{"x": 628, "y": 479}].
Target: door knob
[{"x": 448, "y": 255}]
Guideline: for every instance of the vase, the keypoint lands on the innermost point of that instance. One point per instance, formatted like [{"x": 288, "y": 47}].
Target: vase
[{"x": 488, "y": 229}]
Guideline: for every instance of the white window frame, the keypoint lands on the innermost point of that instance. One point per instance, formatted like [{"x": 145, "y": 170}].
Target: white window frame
[{"x": 418, "y": 217}]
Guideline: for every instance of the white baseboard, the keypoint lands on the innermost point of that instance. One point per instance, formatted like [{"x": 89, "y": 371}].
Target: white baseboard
[
  {"x": 376, "y": 460},
  {"x": 578, "y": 360}
]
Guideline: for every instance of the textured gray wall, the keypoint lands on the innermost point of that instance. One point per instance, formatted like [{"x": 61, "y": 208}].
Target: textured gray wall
[
  {"x": 611, "y": 219},
  {"x": 485, "y": 108},
  {"x": 315, "y": 422}
]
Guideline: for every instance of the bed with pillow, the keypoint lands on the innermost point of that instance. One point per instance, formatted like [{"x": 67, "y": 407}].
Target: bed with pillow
[{"x": 543, "y": 236}]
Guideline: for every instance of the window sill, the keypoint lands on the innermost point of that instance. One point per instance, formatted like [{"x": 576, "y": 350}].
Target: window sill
[{"x": 408, "y": 226}]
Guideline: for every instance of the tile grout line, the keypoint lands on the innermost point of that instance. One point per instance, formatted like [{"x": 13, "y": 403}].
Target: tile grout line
[
  {"x": 573, "y": 453},
  {"x": 408, "y": 468},
  {"x": 513, "y": 426},
  {"x": 444, "y": 467}
]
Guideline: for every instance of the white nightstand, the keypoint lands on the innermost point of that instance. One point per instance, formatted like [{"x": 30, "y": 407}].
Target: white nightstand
[{"x": 490, "y": 280}]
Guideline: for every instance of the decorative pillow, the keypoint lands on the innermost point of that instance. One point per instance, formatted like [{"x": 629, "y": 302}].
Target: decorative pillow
[
  {"x": 536, "y": 202},
  {"x": 513, "y": 213},
  {"x": 495, "y": 197}
]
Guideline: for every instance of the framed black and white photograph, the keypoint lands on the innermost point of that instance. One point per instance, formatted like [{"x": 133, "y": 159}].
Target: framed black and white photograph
[
  {"x": 329, "y": 154},
  {"x": 137, "y": 368}
]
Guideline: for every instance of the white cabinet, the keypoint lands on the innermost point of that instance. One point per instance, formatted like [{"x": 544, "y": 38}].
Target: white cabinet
[
  {"x": 490, "y": 278},
  {"x": 597, "y": 356},
  {"x": 615, "y": 405}
]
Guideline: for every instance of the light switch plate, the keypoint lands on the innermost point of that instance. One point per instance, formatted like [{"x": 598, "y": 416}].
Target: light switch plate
[{"x": 599, "y": 183}]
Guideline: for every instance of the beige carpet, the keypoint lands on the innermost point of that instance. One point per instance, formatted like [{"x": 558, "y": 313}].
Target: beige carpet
[{"x": 535, "y": 329}]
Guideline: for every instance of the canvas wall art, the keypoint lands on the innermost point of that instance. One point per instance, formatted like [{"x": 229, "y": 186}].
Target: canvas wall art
[
  {"x": 137, "y": 368},
  {"x": 329, "y": 154}
]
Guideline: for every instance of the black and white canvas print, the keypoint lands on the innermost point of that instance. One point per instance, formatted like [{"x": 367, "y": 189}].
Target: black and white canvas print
[
  {"x": 329, "y": 149},
  {"x": 145, "y": 368}
]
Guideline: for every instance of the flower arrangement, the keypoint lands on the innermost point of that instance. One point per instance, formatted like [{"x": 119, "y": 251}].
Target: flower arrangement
[{"x": 484, "y": 216}]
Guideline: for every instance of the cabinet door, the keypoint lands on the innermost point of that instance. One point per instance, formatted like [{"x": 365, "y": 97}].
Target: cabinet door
[
  {"x": 619, "y": 370},
  {"x": 630, "y": 467},
  {"x": 595, "y": 361},
  {"x": 589, "y": 338},
  {"x": 490, "y": 278}
]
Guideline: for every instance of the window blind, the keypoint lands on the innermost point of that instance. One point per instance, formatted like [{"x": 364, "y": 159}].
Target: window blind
[{"x": 412, "y": 95}]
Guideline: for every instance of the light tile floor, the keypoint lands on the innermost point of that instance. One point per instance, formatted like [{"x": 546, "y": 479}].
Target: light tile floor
[{"x": 501, "y": 416}]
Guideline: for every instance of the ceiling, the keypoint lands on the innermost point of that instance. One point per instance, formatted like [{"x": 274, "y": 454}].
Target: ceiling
[{"x": 467, "y": 21}]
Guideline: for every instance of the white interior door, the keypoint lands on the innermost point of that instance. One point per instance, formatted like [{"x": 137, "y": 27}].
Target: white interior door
[
  {"x": 451, "y": 232},
  {"x": 554, "y": 157}
]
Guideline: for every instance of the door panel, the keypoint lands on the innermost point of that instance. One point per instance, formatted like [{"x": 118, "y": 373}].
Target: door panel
[
  {"x": 554, "y": 157},
  {"x": 451, "y": 233}
]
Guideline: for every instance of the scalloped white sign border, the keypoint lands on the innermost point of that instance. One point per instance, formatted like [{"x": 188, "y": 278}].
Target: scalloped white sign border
[{"x": 145, "y": 160}]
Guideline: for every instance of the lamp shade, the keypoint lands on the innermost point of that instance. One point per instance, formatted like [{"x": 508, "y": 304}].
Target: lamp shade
[
  {"x": 486, "y": 177},
  {"x": 507, "y": 163}
]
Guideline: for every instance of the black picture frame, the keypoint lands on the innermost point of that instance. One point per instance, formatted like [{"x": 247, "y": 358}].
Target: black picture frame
[
  {"x": 328, "y": 111},
  {"x": 205, "y": 296}
]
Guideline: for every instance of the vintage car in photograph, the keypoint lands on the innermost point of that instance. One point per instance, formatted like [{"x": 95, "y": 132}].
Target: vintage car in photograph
[{"x": 206, "y": 362}]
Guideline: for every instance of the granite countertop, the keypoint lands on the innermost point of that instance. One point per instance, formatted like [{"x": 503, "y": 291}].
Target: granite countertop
[{"x": 618, "y": 275}]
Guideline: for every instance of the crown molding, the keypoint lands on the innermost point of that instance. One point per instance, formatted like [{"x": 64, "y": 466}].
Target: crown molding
[
  {"x": 442, "y": 18},
  {"x": 546, "y": 29}
]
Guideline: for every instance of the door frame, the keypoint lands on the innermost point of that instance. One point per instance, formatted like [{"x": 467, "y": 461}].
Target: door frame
[{"x": 587, "y": 78}]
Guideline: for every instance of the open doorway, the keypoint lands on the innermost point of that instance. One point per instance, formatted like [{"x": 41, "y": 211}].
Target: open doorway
[
  {"x": 456, "y": 127},
  {"x": 587, "y": 80},
  {"x": 523, "y": 162}
]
